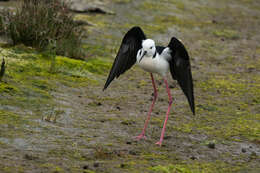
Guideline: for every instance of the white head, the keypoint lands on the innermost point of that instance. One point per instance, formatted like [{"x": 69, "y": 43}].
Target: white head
[{"x": 148, "y": 48}]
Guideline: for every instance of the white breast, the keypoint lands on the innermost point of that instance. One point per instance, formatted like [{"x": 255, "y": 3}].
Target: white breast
[{"x": 154, "y": 65}]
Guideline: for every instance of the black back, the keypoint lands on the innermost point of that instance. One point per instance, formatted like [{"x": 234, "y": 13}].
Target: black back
[
  {"x": 126, "y": 56},
  {"x": 181, "y": 70},
  {"x": 159, "y": 49}
]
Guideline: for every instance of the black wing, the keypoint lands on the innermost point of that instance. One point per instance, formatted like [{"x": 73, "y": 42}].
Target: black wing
[
  {"x": 181, "y": 70},
  {"x": 126, "y": 56},
  {"x": 159, "y": 49}
]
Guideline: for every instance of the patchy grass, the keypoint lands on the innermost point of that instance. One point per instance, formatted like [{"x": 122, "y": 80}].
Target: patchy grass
[
  {"x": 198, "y": 167},
  {"x": 28, "y": 76},
  {"x": 94, "y": 129},
  {"x": 226, "y": 33}
]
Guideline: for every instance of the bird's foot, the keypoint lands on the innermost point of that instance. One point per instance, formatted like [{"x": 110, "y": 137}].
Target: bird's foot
[
  {"x": 159, "y": 143},
  {"x": 141, "y": 136}
]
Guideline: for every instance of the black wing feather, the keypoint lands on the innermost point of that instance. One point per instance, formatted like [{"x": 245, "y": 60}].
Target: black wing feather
[
  {"x": 159, "y": 49},
  {"x": 181, "y": 70},
  {"x": 126, "y": 56}
]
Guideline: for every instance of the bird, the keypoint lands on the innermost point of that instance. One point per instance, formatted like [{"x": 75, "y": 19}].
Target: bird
[{"x": 137, "y": 49}]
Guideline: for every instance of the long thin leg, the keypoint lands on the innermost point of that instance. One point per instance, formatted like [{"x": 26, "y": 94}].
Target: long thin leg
[
  {"x": 167, "y": 114},
  {"x": 142, "y": 135}
]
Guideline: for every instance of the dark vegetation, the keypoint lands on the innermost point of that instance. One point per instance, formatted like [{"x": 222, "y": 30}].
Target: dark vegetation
[{"x": 44, "y": 24}]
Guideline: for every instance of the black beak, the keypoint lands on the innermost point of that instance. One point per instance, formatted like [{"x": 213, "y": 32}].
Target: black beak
[{"x": 145, "y": 52}]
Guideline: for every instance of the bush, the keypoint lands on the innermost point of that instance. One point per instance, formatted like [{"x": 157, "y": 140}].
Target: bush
[{"x": 36, "y": 23}]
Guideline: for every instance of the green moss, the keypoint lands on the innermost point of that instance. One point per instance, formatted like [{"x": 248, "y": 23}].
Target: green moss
[
  {"x": 225, "y": 124},
  {"x": 173, "y": 20},
  {"x": 69, "y": 153},
  {"x": 82, "y": 68},
  {"x": 258, "y": 51},
  {"x": 154, "y": 156},
  {"x": 96, "y": 20},
  {"x": 100, "y": 50},
  {"x": 14, "y": 123},
  {"x": 11, "y": 169},
  {"x": 8, "y": 88},
  {"x": 28, "y": 84},
  {"x": 227, "y": 85},
  {"x": 98, "y": 66},
  {"x": 10, "y": 118},
  {"x": 53, "y": 168},
  {"x": 184, "y": 127},
  {"x": 122, "y": 1},
  {"x": 157, "y": 121},
  {"x": 128, "y": 121},
  {"x": 152, "y": 5},
  {"x": 88, "y": 171},
  {"x": 199, "y": 167},
  {"x": 227, "y": 33},
  {"x": 245, "y": 125},
  {"x": 228, "y": 110},
  {"x": 179, "y": 4}
]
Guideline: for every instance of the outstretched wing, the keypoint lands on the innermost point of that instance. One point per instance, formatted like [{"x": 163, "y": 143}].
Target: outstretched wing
[
  {"x": 126, "y": 56},
  {"x": 181, "y": 70}
]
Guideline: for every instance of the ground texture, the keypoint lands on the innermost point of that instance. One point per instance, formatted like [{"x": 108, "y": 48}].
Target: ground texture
[{"x": 54, "y": 116}]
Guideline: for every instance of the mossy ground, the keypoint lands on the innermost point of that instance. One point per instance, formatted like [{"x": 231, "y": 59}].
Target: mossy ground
[{"x": 54, "y": 116}]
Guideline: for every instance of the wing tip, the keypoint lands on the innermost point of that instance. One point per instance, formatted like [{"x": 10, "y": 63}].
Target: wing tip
[
  {"x": 106, "y": 85},
  {"x": 193, "y": 111}
]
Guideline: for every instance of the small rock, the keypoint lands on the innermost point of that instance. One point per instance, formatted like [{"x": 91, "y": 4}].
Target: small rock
[
  {"x": 243, "y": 150},
  {"x": 211, "y": 145},
  {"x": 193, "y": 158},
  {"x": 85, "y": 167},
  {"x": 96, "y": 164},
  {"x": 122, "y": 165},
  {"x": 80, "y": 6},
  {"x": 134, "y": 153},
  {"x": 29, "y": 157},
  {"x": 214, "y": 21}
]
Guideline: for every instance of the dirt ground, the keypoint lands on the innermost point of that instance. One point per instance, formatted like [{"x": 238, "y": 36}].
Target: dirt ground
[{"x": 64, "y": 122}]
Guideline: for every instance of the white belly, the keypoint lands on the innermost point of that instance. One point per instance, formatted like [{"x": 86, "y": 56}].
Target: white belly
[{"x": 154, "y": 65}]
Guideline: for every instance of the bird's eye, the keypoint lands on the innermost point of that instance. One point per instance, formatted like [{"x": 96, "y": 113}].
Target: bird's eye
[{"x": 151, "y": 47}]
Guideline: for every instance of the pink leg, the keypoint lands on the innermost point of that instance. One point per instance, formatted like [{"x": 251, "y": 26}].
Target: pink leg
[
  {"x": 167, "y": 114},
  {"x": 142, "y": 135}
]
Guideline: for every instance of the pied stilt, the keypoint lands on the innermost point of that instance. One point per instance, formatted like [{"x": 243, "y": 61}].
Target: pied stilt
[{"x": 136, "y": 49}]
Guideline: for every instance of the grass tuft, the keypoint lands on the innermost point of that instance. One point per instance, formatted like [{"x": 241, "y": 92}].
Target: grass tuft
[{"x": 38, "y": 23}]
